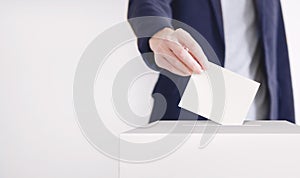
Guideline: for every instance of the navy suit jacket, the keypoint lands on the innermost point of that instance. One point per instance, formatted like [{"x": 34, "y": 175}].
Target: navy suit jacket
[{"x": 206, "y": 17}]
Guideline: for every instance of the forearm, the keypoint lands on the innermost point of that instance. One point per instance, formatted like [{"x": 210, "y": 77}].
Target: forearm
[{"x": 147, "y": 17}]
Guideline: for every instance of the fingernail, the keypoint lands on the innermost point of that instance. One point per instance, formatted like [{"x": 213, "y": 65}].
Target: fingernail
[{"x": 198, "y": 71}]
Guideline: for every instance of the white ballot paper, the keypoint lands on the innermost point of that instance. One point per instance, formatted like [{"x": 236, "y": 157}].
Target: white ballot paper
[{"x": 219, "y": 95}]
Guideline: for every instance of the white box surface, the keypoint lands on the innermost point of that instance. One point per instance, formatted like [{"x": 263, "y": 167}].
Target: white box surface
[{"x": 259, "y": 149}]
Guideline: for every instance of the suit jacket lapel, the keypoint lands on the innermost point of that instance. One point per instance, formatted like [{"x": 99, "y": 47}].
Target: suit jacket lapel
[
  {"x": 217, "y": 9},
  {"x": 268, "y": 14}
]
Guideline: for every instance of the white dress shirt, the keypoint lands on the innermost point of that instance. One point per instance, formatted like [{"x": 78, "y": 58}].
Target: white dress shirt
[{"x": 243, "y": 50}]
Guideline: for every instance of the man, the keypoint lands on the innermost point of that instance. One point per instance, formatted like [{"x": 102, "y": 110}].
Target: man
[{"x": 252, "y": 32}]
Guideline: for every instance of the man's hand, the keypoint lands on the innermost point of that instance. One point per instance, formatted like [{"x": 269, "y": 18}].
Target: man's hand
[{"x": 177, "y": 52}]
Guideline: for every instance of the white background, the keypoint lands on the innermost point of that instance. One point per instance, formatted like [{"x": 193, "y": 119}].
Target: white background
[{"x": 40, "y": 45}]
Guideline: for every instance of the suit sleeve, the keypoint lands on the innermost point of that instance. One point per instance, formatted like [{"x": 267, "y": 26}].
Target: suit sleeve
[
  {"x": 155, "y": 15},
  {"x": 286, "y": 106}
]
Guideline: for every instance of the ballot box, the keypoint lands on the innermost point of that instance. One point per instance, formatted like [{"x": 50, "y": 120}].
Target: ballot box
[{"x": 256, "y": 149}]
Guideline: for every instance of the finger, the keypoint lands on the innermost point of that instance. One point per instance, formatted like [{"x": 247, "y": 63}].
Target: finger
[
  {"x": 184, "y": 56},
  {"x": 185, "y": 39},
  {"x": 172, "y": 59},
  {"x": 163, "y": 63}
]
